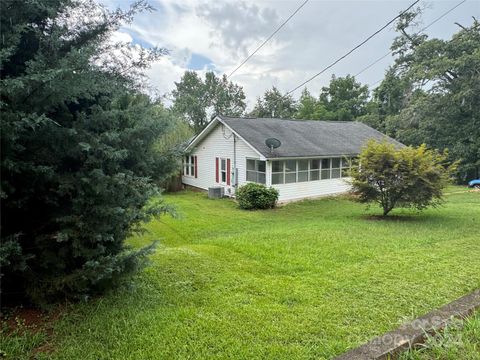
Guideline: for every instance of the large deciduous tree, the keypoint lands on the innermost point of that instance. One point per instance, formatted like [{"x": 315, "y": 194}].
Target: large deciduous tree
[
  {"x": 310, "y": 108},
  {"x": 388, "y": 99},
  {"x": 78, "y": 157},
  {"x": 438, "y": 93},
  {"x": 198, "y": 100},
  {"x": 344, "y": 98},
  {"x": 274, "y": 104}
]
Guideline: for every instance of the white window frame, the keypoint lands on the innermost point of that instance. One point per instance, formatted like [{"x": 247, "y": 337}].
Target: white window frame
[
  {"x": 222, "y": 171},
  {"x": 310, "y": 169},
  {"x": 189, "y": 166},
  {"x": 256, "y": 171},
  {"x": 303, "y": 171},
  {"x": 330, "y": 169},
  {"x": 278, "y": 173}
]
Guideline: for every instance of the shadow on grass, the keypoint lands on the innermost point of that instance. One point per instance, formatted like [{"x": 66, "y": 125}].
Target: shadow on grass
[{"x": 396, "y": 218}]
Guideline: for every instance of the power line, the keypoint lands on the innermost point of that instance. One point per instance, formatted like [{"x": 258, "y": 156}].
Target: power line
[
  {"x": 373, "y": 63},
  {"x": 268, "y": 39},
  {"x": 419, "y": 32},
  {"x": 352, "y": 50},
  {"x": 375, "y": 83}
]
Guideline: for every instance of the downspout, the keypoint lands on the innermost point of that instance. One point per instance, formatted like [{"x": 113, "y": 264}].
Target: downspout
[{"x": 235, "y": 177}]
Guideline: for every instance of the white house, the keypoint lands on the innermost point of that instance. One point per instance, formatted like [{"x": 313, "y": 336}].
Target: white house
[{"x": 311, "y": 161}]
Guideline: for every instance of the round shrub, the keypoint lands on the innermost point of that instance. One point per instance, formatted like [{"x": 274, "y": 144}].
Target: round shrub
[{"x": 256, "y": 196}]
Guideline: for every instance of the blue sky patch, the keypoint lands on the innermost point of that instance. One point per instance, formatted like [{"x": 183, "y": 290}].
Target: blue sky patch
[
  {"x": 136, "y": 38},
  {"x": 198, "y": 62}
]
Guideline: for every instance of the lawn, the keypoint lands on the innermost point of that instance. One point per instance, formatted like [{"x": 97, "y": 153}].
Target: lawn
[{"x": 307, "y": 280}]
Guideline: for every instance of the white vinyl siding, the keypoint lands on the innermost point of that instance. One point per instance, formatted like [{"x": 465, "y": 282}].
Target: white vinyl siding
[
  {"x": 219, "y": 144},
  {"x": 311, "y": 189}
]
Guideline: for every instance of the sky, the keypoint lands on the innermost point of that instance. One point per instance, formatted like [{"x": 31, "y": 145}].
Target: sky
[{"x": 218, "y": 35}]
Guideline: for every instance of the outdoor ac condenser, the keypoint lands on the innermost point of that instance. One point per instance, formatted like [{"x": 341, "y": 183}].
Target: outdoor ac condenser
[{"x": 215, "y": 192}]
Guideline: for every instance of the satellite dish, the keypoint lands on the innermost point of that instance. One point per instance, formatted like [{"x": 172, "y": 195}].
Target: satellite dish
[{"x": 272, "y": 143}]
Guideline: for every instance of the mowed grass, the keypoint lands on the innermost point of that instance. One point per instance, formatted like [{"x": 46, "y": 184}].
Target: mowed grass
[{"x": 307, "y": 280}]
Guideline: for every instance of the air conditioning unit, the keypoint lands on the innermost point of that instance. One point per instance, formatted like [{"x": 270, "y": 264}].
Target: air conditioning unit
[{"x": 216, "y": 192}]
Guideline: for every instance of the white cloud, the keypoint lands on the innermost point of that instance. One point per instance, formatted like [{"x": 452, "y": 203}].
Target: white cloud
[
  {"x": 119, "y": 36},
  {"x": 226, "y": 31},
  {"x": 237, "y": 26}
]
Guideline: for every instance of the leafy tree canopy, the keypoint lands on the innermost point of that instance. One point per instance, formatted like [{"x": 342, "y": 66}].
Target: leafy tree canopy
[
  {"x": 274, "y": 105},
  {"x": 405, "y": 177},
  {"x": 198, "y": 100},
  {"x": 344, "y": 98},
  {"x": 310, "y": 108},
  {"x": 443, "y": 110}
]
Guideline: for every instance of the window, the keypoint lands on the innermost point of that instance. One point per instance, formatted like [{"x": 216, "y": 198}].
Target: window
[
  {"x": 335, "y": 168},
  {"x": 223, "y": 170},
  {"x": 290, "y": 171},
  {"x": 314, "y": 170},
  {"x": 256, "y": 171},
  {"x": 325, "y": 169},
  {"x": 346, "y": 162},
  {"x": 302, "y": 170},
  {"x": 277, "y": 172},
  {"x": 189, "y": 165}
]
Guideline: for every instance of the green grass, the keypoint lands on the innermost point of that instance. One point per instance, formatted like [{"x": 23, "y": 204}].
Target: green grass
[
  {"x": 459, "y": 340},
  {"x": 21, "y": 343},
  {"x": 307, "y": 280}
]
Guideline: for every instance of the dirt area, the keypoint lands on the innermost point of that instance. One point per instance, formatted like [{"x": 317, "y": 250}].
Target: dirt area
[{"x": 24, "y": 320}]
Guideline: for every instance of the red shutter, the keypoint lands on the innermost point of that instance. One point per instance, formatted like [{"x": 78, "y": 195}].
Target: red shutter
[
  {"x": 196, "y": 166},
  {"x": 216, "y": 170},
  {"x": 228, "y": 171}
]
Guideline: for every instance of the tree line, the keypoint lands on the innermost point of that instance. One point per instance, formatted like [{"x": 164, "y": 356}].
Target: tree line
[{"x": 430, "y": 95}]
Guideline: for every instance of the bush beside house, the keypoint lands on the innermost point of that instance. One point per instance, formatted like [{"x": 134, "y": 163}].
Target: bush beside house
[{"x": 252, "y": 196}]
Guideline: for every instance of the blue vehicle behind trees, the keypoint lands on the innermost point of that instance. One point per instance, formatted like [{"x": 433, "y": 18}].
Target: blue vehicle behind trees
[{"x": 474, "y": 183}]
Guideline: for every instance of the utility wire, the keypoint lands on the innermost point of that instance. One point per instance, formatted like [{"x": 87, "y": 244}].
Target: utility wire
[
  {"x": 375, "y": 83},
  {"x": 373, "y": 63},
  {"x": 268, "y": 39},
  {"x": 418, "y": 33},
  {"x": 352, "y": 50}
]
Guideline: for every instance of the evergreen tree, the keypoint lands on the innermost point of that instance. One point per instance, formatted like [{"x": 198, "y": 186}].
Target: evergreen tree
[{"x": 78, "y": 158}]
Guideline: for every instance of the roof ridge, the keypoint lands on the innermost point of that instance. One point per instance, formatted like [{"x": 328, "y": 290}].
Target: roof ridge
[
  {"x": 284, "y": 119},
  {"x": 377, "y": 131}
]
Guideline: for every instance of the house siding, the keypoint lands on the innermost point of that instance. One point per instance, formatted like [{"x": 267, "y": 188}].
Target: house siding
[
  {"x": 219, "y": 143},
  {"x": 311, "y": 189}
]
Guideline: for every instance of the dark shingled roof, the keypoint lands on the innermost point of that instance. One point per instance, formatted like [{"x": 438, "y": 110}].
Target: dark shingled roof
[{"x": 305, "y": 138}]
